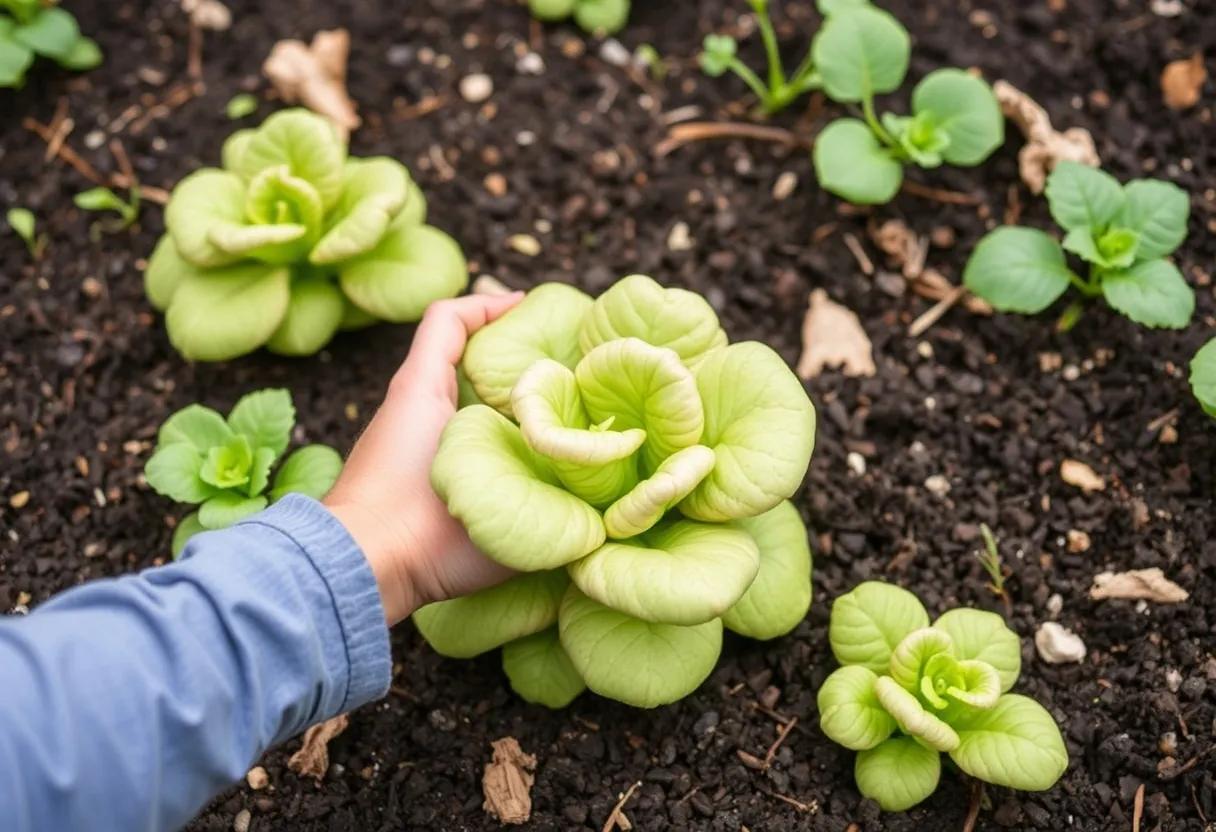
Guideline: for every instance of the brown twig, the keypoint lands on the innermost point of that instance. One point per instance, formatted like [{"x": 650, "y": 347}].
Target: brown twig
[
  {"x": 797, "y": 804},
  {"x": 771, "y": 754},
  {"x": 64, "y": 151},
  {"x": 424, "y": 107},
  {"x": 939, "y": 194},
  {"x": 615, "y": 814},
  {"x": 123, "y": 161},
  {"x": 973, "y": 809},
  {"x": 1138, "y": 808},
  {"x": 935, "y": 312},
  {"x": 174, "y": 98},
  {"x": 699, "y": 131},
  {"x": 194, "y": 52},
  {"x": 859, "y": 253},
  {"x": 60, "y": 128}
]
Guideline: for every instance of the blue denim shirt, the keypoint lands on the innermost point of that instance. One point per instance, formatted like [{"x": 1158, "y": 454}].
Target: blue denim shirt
[{"x": 126, "y": 704}]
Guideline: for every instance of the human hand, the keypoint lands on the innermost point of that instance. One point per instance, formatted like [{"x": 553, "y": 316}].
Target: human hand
[{"x": 383, "y": 497}]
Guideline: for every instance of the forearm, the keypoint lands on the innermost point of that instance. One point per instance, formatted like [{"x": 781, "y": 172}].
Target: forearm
[{"x": 127, "y": 704}]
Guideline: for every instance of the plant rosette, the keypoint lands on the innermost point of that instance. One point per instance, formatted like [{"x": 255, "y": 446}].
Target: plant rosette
[
  {"x": 292, "y": 241},
  {"x": 636, "y": 469},
  {"x": 908, "y": 692},
  {"x": 30, "y": 28},
  {"x": 598, "y": 17},
  {"x": 1124, "y": 233},
  {"x": 224, "y": 465}
]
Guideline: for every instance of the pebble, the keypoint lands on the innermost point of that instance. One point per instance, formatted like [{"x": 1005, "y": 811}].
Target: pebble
[
  {"x": 19, "y": 500},
  {"x": 257, "y": 778},
  {"x": 1055, "y": 604},
  {"x": 613, "y": 52},
  {"x": 496, "y": 184},
  {"x": 525, "y": 244},
  {"x": 680, "y": 238},
  {"x": 856, "y": 463},
  {"x": 242, "y": 820},
  {"x": 937, "y": 485},
  {"x": 530, "y": 64},
  {"x": 476, "y": 88},
  {"x": 1078, "y": 541},
  {"x": 1173, "y": 680},
  {"x": 400, "y": 54},
  {"x": 1058, "y": 645},
  {"x": 785, "y": 185}
]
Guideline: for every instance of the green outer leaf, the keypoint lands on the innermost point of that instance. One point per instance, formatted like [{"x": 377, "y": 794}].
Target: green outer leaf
[
  {"x": 983, "y": 636},
  {"x": 15, "y": 57},
  {"x": 868, "y": 623},
  {"x": 1080, "y": 196},
  {"x": 632, "y": 661},
  {"x": 1159, "y": 211},
  {"x": 527, "y": 521},
  {"x": 265, "y": 418},
  {"x": 195, "y": 425},
  {"x": 52, "y": 33},
  {"x": 1015, "y": 744},
  {"x": 860, "y": 52},
  {"x": 203, "y": 200},
  {"x": 469, "y": 626},
  {"x": 966, "y": 108},
  {"x": 311, "y": 471},
  {"x": 551, "y": 10},
  {"x": 540, "y": 671},
  {"x": 1152, "y": 293},
  {"x": 164, "y": 273},
  {"x": 374, "y": 192},
  {"x": 849, "y": 710},
  {"x": 227, "y": 508},
  {"x": 313, "y": 316},
  {"x": 259, "y": 472},
  {"x": 187, "y": 528},
  {"x": 761, "y": 427},
  {"x": 23, "y": 223},
  {"x": 1203, "y": 377},
  {"x": 85, "y": 54},
  {"x": 234, "y": 148},
  {"x": 779, "y": 598},
  {"x": 173, "y": 471},
  {"x": 912, "y": 717},
  {"x": 829, "y": 7},
  {"x": 648, "y": 501},
  {"x": 601, "y": 17},
  {"x": 227, "y": 312},
  {"x": 411, "y": 268},
  {"x": 851, "y": 163},
  {"x": 898, "y": 774},
  {"x": 914, "y": 651},
  {"x": 1017, "y": 270},
  {"x": 307, "y": 143}
]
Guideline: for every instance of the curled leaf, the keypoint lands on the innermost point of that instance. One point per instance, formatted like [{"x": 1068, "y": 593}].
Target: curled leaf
[
  {"x": 315, "y": 75},
  {"x": 507, "y": 782},
  {"x": 1147, "y": 584},
  {"x": 1045, "y": 146},
  {"x": 832, "y": 336},
  {"x": 312, "y": 760}
]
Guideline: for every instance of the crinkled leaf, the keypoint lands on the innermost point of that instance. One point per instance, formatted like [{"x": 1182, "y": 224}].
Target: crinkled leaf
[
  {"x": 633, "y": 661},
  {"x": 227, "y": 508},
  {"x": 979, "y": 686},
  {"x": 1203, "y": 377},
  {"x": 898, "y": 774},
  {"x": 187, "y": 528},
  {"x": 527, "y": 521},
  {"x": 545, "y": 324},
  {"x": 412, "y": 267},
  {"x": 912, "y": 717},
  {"x": 983, "y": 636},
  {"x": 306, "y": 143},
  {"x": 53, "y": 33},
  {"x": 228, "y": 465},
  {"x": 965, "y": 107},
  {"x": 1017, "y": 270},
  {"x": 1152, "y": 293},
  {"x": 173, "y": 471},
  {"x": 919, "y": 137},
  {"x": 1114, "y": 248},
  {"x": 223, "y": 313},
  {"x": 469, "y": 626},
  {"x": 1158, "y": 211},
  {"x": 1015, "y": 744},
  {"x": 761, "y": 427},
  {"x": 859, "y": 52},
  {"x": 853, "y": 164},
  {"x": 540, "y": 671},
  {"x": 314, "y": 315},
  {"x": 283, "y": 217},
  {"x": 653, "y": 497},
  {"x": 259, "y": 472},
  {"x": 868, "y": 623},
  {"x": 849, "y": 710},
  {"x": 195, "y": 425},
  {"x": 638, "y": 307},
  {"x": 1080, "y": 196},
  {"x": 913, "y": 652},
  {"x": 374, "y": 192},
  {"x": 266, "y": 418},
  {"x": 781, "y": 594},
  {"x": 311, "y": 471},
  {"x": 204, "y": 200}
]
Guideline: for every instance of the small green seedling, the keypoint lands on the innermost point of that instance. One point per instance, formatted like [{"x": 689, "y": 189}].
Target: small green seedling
[
  {"x": 1203, "y": 377},
  {"x": 223, "y": 465},
  {"x": 598, "y": 17},
  {"x": 990, "y": 559},
  {"x": 34, "y": 27},
  {"x": 720, "y": 55},
  {"x": 1122, "y": 232},
  {"x": 862, "y": 51},
  {"x": 240, "y": 106},
  {"x": 908, "y": 691},
  {"x": 103, "y": 199},
  {"x": 22, "y": 221},
  {"x": 647, "y": 57}
]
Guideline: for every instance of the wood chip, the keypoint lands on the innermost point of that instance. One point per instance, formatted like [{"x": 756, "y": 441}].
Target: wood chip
[
  {"x": 903, "y": 246},
  {"x": 1075, "y": 472},
  {"x": 1182, "y": 81},
  {"x": 507, "y": 782},
  {"x": 312, "y": 760},
  {"x": 617, "y": 822},
  {"x": 832, "y": 336},
  {"x": 315, "y": 75},
  {"x": 1138, "y": 584},
  {"x": 1045, "y": 146}
]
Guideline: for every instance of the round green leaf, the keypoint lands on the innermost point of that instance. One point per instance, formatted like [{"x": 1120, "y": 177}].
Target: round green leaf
[
  {"x": 781, "y": 594},
  {"x": 173, "y": 471},
  {"x": 1083, "y": 197},
  {"x": 551, "y": 10},
  {"x": 1152, "y": 293},
  {"x": 52, "y": 33},
  {"x": 851, "y": 163},
  {"x": 412, "y": 267},
  {"x": 849, "y": 710},
  {"x": 311, "y": 471},
  {"x": 234, "y": 147},
  {"x": 306, "y": 143},
  {"x": 1203, "y": 377},
  {"x": 374, "y": 192},
  {"x": 473, "y": 624},
  {"x": 313, "y": 317},
  {"x": 195, "y": 425},
  {"x": 983, "y": 636},
  {"x": 187, "y": 528},
  {"x": 227, "y": 508},
  {"x": 636, "y": 662},
  {"x": 828, "y": 7},
  {"x": 898, "y": 774},
  {"x": 224, "y": 313},
  {"x": 540, "y": 671},
  {"x": 265, "y": 418},
  {"x": 1158, "y": 211},
  {"x": 164, "y": 273},
  {"x": 860, "y": 52},
  {"x": 1017, "y": 270},
  {"x": 84, "y": 54},
  {"x": 966, "y": 109},
  {"x": 1015, "y": 744},
  {"x": 601, "y": 17},
  {"x": 15, "y": 57},
  {"x": 204, "y": 200},
  {"x": 868, "y": 623}
]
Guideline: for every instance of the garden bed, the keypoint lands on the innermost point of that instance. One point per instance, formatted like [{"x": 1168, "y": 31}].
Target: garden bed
[{"x": 992, "y": 405}]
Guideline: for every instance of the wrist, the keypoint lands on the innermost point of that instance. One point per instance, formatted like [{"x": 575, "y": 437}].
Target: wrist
[{"x": 386, "y": 554}]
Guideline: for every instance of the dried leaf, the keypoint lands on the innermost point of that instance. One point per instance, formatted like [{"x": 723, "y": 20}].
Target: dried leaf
[
  {"x": 900, "y": 243},
  {"x": 315, "y": 75},
  {"x": 832, "y": 336},
  {"x": 934, "y": 285},
  {"x": 1138, "y": 584},
  {"x": 1182, "y": 81},
  {"x": 208, "y": 14},
  {"x": 507, "y": 783},
  {"x": 1045, "y": 146},
  {"x": 312, "y": 760},
  {"x": 1075, "y": 472}
]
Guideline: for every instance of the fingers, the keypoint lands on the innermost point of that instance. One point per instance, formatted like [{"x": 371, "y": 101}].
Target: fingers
[{"x": 446, "y": 328}]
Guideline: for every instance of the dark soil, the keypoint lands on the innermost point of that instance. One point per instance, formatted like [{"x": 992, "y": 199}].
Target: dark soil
[{"x": 992, "y": 404}]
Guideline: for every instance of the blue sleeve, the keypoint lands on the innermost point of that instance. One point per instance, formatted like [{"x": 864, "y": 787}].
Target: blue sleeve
[{"x": 126, "y": 704}]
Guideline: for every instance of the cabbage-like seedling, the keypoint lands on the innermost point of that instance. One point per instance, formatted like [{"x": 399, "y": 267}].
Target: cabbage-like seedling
[
  {"x": 30, "y": 28},
  {"x": 1124, "y": 233},
  {"x": 636, "y": 468},
  {"x": 224, "y": 465},
  {"x": 862, "y": 51},
  {"x": 909, "y": 690},
  {"x": 293, "y": 240},
  {"x": 599, "y": 17},
  {"x": 1203, "y": 377}
]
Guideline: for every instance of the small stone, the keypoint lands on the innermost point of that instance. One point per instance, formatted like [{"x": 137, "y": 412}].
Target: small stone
[
  {"x": 785, "y": 185},
  {"x": 856, "y": 463},
  {"x": 91, "y": 287},
  {"x": 530, "y": 64},
  {"x": 496, "y": 184},
  {"x": 1078, "y": 541},
  {"x": 257, "y": 778},
  {"x": 937, "y": 485},
  {"x": 1049, "y": 362},
  {"x": 94, "y": 139},
  {"x": 1058, "y": 645},
  {"x": 890, "y": 283},
  {"x": 525, "y": 138},
  {"x": 680, "y": 239},
  {"x": 352, "y": 412},
  {"x": 400, "y": 54},
  {"x": 612, "y": 52},
  {"x": 1173, "y": 680},
  {"x": 942, "y": 237},
  {"x": 1055, "y": 604},
  {"x": 1168, "y": 744},
  {"x": 525, "y": 244},
  {"x": 1071, "y": 372},
  {"x": 476, "y": 88},
  {"x": 1168, "y": 435},
  {"x": 242, "y": 820},
  {"x": 19, "y": 500}
]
